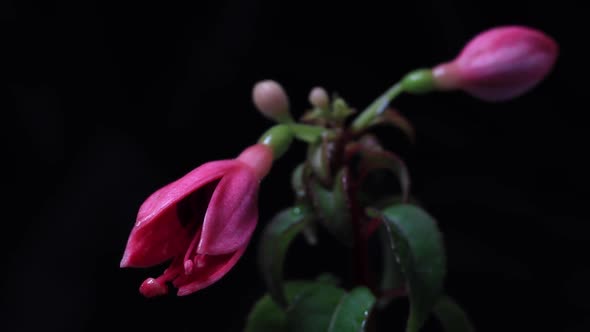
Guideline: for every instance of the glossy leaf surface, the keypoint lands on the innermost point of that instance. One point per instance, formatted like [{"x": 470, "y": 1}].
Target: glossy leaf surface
[
  {"x": 418, "y": 247},
  {"x": 315, "y": 307},
  {"x": 276, "y": 238}
]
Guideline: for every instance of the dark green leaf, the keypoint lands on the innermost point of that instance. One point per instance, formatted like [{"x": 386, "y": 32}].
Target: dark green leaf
[
  {"x": 267, "y": 316},
  {"x": 317, "y": 115},
  {"x": 297, "y": 181},
  {"x": 319, "y": 160},
  {"x": 353, "y": 311},
  {"x": 277, "y": 236},
  {"x": 307, "y": 133},
  {"x": 418, "y": 247},
  {"x": 340, "y": 110},
  {"x": 391, "y": 276},
  {"x": 315, "y": 306},
  {"x": 451, "y": 316},
  {"x": 328, "y": 278},
  {"x": 378, "y": 159},
  {"x": 332, "y": 207},
  {"x": 326, "y": 308}
]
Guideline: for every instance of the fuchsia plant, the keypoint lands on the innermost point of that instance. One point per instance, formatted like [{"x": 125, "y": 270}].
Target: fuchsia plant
[{"x": 203, "y": 222}]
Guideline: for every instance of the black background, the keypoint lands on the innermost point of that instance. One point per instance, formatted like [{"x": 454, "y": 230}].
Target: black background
[{"x": 103, "y": 103}]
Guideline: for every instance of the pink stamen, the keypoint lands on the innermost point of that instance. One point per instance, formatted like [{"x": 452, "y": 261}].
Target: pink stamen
[
  {"x": 188, "y": 267},
  {"x": 157, "y": 286},
  {"x": 153, "y": 287},
  {"x": 191, "y": 248}
]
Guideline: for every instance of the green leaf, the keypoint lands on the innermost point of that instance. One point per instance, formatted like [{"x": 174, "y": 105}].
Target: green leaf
[
  {"x": 307, "y": 133},
  {"x": 276, "y": 237},
  {"x": 319, "y": 160},
  {"x": 297, "y": 182},
  {"x": 340, "y": 110},
  {"x": 315, "y": 306},
  {"x": 394, "y": 118},
  {"x": 418, "y": 246},
  {"x": 391, "y": 276},
  {"x": 328, "y": 278},
  {"x": 451, "y": 316},
  {"x": 267, "y": 316},
  {"x": 378, "y": 159},
  {"x": 317, "y": 115},
  {"x": 332, "y": 207},
  {"x": 353, "y": 311},
  {"x": 326, "y": 308}
]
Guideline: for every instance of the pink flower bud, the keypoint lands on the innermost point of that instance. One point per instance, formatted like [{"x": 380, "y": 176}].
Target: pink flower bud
[
  {"x": 318, "y": 97},
  {"x": 499, "y": 64},
  {"x": 272, "y": 101},
  {"x": 202, "y": 223}
]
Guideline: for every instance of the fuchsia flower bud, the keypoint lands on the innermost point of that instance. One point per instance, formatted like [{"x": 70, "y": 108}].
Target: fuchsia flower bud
[
  {"x": 272, "y": 101},
  {"x": 201, "y": 222},
  {"x": 499, "y": 64},
  {"x": 318, "y": 97}
]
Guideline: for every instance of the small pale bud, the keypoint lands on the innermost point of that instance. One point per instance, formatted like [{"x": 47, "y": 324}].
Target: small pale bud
[
  {"x": 272, "y": 101},
  {"x": 318, "y": 97}
]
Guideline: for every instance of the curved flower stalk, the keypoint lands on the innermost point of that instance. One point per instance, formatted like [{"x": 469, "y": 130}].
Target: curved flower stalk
[
  {"x": 202, "y": 222},
  {"x": 497, "y": 65}
]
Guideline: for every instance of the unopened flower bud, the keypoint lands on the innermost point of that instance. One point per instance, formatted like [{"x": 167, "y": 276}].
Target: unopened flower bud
[
  {"x": 318, "y": 97},
  {"x": 499, "y": 64},
  {"x": 272, "y": 101}
]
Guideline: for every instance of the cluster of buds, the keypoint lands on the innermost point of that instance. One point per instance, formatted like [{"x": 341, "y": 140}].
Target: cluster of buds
[{"x": 202, "y": 223}]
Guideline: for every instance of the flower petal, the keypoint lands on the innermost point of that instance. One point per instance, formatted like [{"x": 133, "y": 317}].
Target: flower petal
[
  {"x": 154, "y": 242},
  {"x": 232, "y": 214},
  {"x": 177, "y": 190},
  {"x": 158, "y": 234},
  {"x": 505, "y": 62}
]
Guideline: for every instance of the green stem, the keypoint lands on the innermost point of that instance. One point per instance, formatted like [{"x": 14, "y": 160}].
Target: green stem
[
  {"x": 376, "y": 108},
  {"x": 279, "y": 138}
]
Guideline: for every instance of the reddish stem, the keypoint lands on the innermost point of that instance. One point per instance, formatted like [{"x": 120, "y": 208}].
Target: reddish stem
[
  {"x": 394, "y": 293},
  {"x": 360, "y": 243}
]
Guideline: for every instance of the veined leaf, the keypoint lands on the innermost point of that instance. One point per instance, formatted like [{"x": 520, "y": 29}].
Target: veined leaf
[
  {"x": 327, "y": 308},
  {"x": 391, "y": 275},
  {"x": 267, "y": 316},
  {"x": 332, "y": 207},
  {"x": 418, "y": 247},
  {"x": 316, "y": 306},
  {"x": 377, "y": 159},
  {"x": 451, "y": 316},
  {"x": 276, "y": 238}
]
